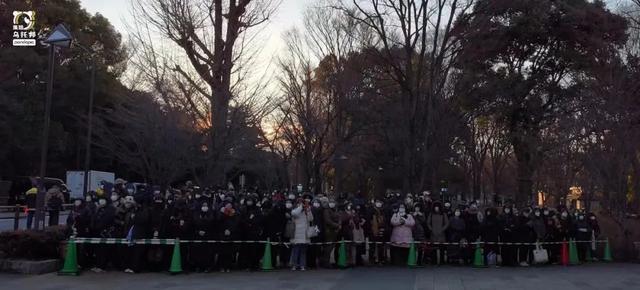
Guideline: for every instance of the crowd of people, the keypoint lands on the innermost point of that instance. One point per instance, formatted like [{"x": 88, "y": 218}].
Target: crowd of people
[{"x": 306, "y": 229}]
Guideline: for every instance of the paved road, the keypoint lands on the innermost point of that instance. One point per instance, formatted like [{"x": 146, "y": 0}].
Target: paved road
[
  {"x": 6, "y": 223},
  {"x": 586, "y": 277}
]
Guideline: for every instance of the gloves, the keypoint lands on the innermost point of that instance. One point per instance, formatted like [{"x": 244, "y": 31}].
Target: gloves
[
  {"x": 201, "y": 233},
  {"x": 181, "y": 223},
  {"x": 227, "y": 232},
  {"x": 155, "y": 234}
]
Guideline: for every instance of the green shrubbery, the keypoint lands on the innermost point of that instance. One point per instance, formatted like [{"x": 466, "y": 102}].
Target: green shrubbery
[{"x": 33, "y": 245}]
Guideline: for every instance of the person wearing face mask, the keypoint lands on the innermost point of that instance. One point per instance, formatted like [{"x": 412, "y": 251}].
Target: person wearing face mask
[
  {"x": 102, "y": 226},
  {"x": 438, "y": 223},
  {"x": 582, "y": 230},
  {"x": 179, "y": 224},
  {"x": 275, "y": 221},
  {"x": 595, "y": 234},
  {"x": 157, "y": 255},
  {"x": 401, "y": 235},
  {"x": 252, "y": 225},
  {"x": 332, "y": 226},
  {"x": 346, "y": 212},
  {"x": 419, "y": 232},
  {"x": 379, "y": 229},
  {"x": 550, "y": 221},
  {"x": 508, "y": 223},
  {"x": 79, "y": 223},
  {"x": 456, "y": 234},
  {"x": 202, "y": 253},
  {"x": 228, "y": 230},
  {"x": 539, "y": 226},
  {"x": 525, "y": 234},
  {"x": 302, "y": 217},
  {"x": 314, "y": 252},
  {"x": 490, "y": 231},
  {"x": 138, "y": 221}
]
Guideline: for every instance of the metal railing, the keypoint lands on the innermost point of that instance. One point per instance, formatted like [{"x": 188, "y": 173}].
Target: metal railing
[{"x": 19, "y": 209}]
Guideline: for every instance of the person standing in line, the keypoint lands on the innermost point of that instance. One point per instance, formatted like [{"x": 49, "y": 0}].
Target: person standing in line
[
  {"x": 401, "y": 235},
  {"x": 331, "y": 229},
  {"x": 54, "y": 200},
  {"x": 301, "y": 216},
  {"x": 508, "y": 222},
  {"x": 377, "y": 254},
  {"x": 438, "y": 223}
]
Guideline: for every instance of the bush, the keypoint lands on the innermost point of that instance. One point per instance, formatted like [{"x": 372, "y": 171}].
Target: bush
[{"x": 33, "y": 245}]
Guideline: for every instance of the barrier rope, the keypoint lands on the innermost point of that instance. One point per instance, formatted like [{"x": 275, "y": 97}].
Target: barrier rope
[{"x": 119, "y": 241}]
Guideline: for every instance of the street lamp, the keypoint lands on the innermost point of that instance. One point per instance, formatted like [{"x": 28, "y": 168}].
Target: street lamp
[
  {"x": 60, "y": 37},
  {"x": 87, "y": 156}
]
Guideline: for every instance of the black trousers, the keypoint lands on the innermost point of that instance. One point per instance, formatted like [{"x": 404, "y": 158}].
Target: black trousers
[
  {"x": 250, "y": 255},
  {"x": 226, "y": 256},
  {"x": 202, "y": 256},
  {"x": 314, "y": 253},
  {"x": 399, "y": 256},
  {"x": 54, "y": 216}
]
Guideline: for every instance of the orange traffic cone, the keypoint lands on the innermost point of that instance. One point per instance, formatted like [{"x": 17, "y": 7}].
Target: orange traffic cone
[{"x": 564, "y": 254}]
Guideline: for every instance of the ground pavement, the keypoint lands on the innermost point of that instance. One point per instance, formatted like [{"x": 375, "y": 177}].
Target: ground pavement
[{"x": 586, "y": 277}]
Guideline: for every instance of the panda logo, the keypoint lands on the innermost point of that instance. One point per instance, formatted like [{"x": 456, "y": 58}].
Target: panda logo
[{"x": 24, "y": 20}]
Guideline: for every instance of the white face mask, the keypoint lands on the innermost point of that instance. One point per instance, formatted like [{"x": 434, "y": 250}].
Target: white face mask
[
  {"x": 378, "y": 204},
  {"x": 204, "y": 209},
  {"x": 401, "y": 211},
  {"x": 102, "y": 202},
  {"x": 316, "y": 204},
  {"x": 436, "y": 209},
  {"x": 291, "y": 196},
  {"x": 249, "y": 203},
  {"x": 580, "y": 217},
  {"x": 593, "y": 218},
  {"x": 507, "y": 210},
  {"x": 546, "y": 212},
  {"x": 457, "y": 213},
  {"x": 198, "y": 196},
  {"x": 114, "y": 198},
  {"x": 87, "y": 198},
  {"x": 537, "y": 213},
  {"x": 130, "y": 190},
  {"x": 288, "y": 205},
  {"x": 156, "y": 192},
  {"x": 564, "y": 214},
  {"x": 77, "y": 203}
]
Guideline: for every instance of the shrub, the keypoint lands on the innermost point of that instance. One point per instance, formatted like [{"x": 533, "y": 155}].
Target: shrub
[{"x": 32, "y": 245}]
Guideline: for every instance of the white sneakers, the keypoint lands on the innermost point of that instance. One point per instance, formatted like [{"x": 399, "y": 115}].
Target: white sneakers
[
  {"x": 129, "y": 271},
  {"x": 524, "y": 264},
  {"x": 96, "y": 270}
]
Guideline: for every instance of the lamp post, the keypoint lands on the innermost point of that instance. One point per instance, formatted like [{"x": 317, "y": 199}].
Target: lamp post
[
  {"x": 87, "y": 155},
  {"x": 61, "y": 37}
]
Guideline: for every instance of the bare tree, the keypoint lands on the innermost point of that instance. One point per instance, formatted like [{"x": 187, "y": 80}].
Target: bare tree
[
  {"x": 214, "y": 38},
  {"x": 414, "y": 40}
]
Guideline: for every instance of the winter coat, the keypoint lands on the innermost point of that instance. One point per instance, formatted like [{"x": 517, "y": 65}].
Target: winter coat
[
  {"x": 402, "y": 234},
  {"x": 80, "y": 219},
  {"x": 508, "y": 222},
  {"x": 490, "y": 229},
  {"x": 524, "y": 230},
  {"x": 456, "y": 229},
  {"x": 582, "y": 230},
  {"x": 203, "y": 225},
  {"x": 378, "y": 224},
  {"x": 438, "y": 224},
  {"x": 274, "y": 223},
  {"x": 301, "y": 219},
  {"x": 54, "y": 199},
  {"x": 331, "y": 224},
  {"x": 318, "y": 221},
  {"x": 229, "y": 226},
  {"x": 102, "y": 225},
  {"x": 252, "y": 223},
  {"x": 418, "y": 230},
  {"x": 540, "y": 228},
  {"x": 472, "y": 223}
]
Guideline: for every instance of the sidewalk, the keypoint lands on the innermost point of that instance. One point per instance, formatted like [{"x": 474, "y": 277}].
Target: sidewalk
[{"x": 583, "y": 277}]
